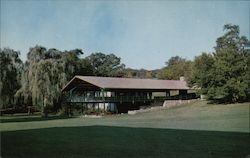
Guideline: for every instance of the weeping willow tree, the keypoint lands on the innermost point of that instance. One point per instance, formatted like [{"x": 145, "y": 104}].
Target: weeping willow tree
[
  {"x": 10, "y": 76},
  {"x": 46, "y": 72}
]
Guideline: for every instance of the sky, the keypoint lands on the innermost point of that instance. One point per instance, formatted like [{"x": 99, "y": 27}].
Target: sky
[{"x": 144, "y": 34}]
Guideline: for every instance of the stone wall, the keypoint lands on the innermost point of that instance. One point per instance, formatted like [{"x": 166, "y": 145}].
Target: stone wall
[
  {"x": 166, "y": 104},
  {"x": 171, "y": 103}
]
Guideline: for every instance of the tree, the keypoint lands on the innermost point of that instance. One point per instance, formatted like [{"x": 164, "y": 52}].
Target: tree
[
  {"x": 47, "y": 70},
  {"x": 230, "y": 82},
  {"x": 149, "y": 74},
  {"x": 141, "y": 73},
  {"x": 224, "y": 75},
  {"x": 106, "y": 65},
  {"x": 177, "y": 67},
  {"x": 10, "y": 76},
  {"x": 201, "y": 73},
  {"x": 129, "y": 73},
  {"x": 45, "y": 74}
]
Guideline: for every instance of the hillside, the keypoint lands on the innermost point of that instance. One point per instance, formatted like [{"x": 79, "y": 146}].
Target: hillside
[
  {"x": 192, "y": 130},
  {"x": 196, "y": 116}
]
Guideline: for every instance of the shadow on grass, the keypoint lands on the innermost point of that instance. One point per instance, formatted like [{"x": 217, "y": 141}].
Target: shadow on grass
[
  {"x": 30, "y": 118},
  {"x": 123, "y": 142}
]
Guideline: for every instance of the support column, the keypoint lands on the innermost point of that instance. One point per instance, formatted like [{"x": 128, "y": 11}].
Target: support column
[
  {"x": 150, "y": 95},
  {"x": 167, "y": 93},
  {"x": 70, "y": 109},
  {"x": 93, "y": 107},
  {"x": 87, "y": 108},
  {"x": 103, "y": 99},
  {"x": 82, "y": 109}
]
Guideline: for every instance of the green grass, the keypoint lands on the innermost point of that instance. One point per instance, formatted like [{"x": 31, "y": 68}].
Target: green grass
[
  {"x": 193, "y": 116},
  {"x": 31, "y": 118},
  {"x": 193, "y": 130},
  {"x": 101, "y": 141}
]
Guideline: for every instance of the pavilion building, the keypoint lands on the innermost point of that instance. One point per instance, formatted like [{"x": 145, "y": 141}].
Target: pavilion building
[{"x": 118, "y": 95}]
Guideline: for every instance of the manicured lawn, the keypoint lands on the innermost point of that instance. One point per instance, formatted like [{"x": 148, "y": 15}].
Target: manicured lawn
[
  {"x": 102, "y": 141},
  {"x": 193, "y": 130}
]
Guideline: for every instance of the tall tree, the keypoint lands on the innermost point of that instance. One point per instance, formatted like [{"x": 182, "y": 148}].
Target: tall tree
[
  {"x": 106, "y": 65},
  {"x": 10, "y": 76},
  {"x": 46, "y": 72},
  {"x": 229, "y": 79},
  {"x": 201, "y": 74},
  {"x": 224, "y": 76}
]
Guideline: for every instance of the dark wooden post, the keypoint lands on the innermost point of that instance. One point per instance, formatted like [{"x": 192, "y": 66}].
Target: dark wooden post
[
  {"x": 82, "y": 108},
  {"x": 103, "y": 99},
  {"x": 87, "y": 108},
  {"x": 69, "y": 109},
  {"x": 167, "y": 93}
]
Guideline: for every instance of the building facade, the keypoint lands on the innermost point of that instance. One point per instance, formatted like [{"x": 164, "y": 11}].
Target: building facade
[{"x": 118, "y": 95}]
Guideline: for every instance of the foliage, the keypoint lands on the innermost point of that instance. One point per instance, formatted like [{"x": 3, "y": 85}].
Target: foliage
[
  {"x": 177, "y": 67},
  {"x": 201, "y": 73},
  {"x": 142, "y": 73},
  {"x": 130, "y": 73},
  {"x": 10, "y": 76},
  {"x": 224, "y": 75},
  {"x": 39, "y": 81},
  {"x": 45, "y": 74},
  {"x": 106, "y": 65}
]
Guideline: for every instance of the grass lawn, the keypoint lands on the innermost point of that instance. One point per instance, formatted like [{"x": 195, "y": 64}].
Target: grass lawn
[{"x": 193, "y": 130}]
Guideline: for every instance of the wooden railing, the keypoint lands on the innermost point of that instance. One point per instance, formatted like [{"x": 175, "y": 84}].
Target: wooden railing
[
  {"x": 107, "y": 99},
  {"x": 125, "y": 98},
  {"x": 177, "y": 97}
]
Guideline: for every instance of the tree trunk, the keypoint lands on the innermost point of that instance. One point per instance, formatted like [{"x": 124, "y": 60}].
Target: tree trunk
[{"x": 44, "y": 108}]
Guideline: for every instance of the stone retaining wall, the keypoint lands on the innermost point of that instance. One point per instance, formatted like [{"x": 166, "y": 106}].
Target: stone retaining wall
[
  {"x": 171, "y": 103},
  {"x": 166, "y": 104}
]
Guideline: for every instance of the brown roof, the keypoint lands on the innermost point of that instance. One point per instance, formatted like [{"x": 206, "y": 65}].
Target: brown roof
[{"x": 131, "y": 83}]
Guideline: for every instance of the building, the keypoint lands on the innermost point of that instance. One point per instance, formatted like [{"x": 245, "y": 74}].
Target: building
[{"x": 118, "y": 95}]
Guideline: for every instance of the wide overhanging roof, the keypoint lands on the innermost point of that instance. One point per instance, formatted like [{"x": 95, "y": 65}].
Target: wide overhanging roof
[{"x": 126, "y": 83}]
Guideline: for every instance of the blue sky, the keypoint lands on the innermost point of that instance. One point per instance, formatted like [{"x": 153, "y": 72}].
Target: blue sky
[{"x": 145, "y": 34}]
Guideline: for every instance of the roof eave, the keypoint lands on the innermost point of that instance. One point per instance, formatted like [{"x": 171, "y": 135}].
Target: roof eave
[{"x": 78, "y": 77}]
